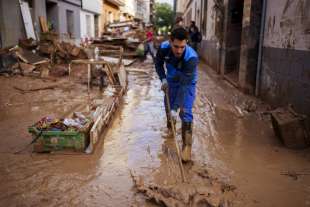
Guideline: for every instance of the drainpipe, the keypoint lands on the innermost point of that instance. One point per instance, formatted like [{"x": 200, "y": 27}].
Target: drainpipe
[
  {"x": 260, "y": 48},
  {"x": 175, "y": 9}
]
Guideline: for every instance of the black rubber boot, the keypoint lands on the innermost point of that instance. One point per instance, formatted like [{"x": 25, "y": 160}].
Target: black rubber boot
[{"x": 187, "y": 131}]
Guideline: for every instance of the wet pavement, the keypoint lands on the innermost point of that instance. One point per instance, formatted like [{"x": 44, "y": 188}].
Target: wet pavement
[{"x": 235, "y": 145}]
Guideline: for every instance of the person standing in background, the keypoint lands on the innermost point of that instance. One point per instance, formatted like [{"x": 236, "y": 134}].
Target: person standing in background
[
  {"x": 149, "y": 42},
  {"x": 195, "y": 36},
  {"x": 178, "y": 23}
]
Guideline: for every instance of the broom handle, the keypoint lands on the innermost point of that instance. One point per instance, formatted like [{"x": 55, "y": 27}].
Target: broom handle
[{"x": 174, "y": 136}]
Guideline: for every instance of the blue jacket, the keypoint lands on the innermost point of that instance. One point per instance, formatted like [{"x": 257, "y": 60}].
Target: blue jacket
[
  {"x": 182, "y": 76},
  {"x": 182, "y": 71}
]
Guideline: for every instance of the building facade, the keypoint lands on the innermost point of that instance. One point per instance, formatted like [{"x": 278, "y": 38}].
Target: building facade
[
  {"x": 111, "y": 11},
  {"x": 142, "y": 13},
  {"x": 63, "y": 17},
  {"x": 90, "y": 18},
  {"x": 152, "y": 11},
  {"x": 128, "y": 11},
  {"x": 69, "y": 19},
  {"x": 262, "y": 47}
]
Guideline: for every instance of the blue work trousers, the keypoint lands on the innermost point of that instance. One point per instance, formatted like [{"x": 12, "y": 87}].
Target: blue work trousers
[{"x": 182, "y": 97}]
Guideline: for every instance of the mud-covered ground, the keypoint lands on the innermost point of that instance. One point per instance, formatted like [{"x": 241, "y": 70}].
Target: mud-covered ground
[{"x": 235, "y": 152}]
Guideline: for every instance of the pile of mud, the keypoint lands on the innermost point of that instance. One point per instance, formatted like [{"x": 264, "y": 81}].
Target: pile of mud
[{"x": 200, "y": 190}]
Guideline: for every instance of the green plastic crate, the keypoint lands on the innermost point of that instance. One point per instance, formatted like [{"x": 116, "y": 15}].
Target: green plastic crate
[{"x": 59, "y": 140}]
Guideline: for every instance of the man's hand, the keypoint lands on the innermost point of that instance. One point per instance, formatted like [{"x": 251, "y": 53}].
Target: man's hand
[
  {"x": 174, "y": 115},
  {"x": 164, "y": 85}
]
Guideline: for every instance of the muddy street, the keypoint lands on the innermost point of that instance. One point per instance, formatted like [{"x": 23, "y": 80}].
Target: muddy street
[{"x": 233, "y": 147}]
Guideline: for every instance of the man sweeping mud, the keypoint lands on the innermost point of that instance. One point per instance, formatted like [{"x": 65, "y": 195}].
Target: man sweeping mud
[{"x": 180, "y": 82}]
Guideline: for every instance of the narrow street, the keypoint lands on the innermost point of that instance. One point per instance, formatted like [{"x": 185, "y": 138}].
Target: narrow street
[{"x": 234, "y": 145}]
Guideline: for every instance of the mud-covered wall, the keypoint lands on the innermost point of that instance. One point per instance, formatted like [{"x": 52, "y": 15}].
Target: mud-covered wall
[
  {"x": 210, "y": 45},
  {"x": 285, "y": 76},
  {"x": 251, "y": 26},
  {"x": 11, "y": 23},
  {"x": 288, "y": 24}
]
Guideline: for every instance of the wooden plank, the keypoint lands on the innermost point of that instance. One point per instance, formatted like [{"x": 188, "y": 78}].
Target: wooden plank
[
  {"x": 29, "y": 57},
  {"x": 121, "y": 52},
  {"x": 109, "y": 51},
  {"x": 103, "y": 120},
  {"x": 122, "y": 76},
  {"x": 108, "y": 74},
  {"x": 41, "y": 62},
  {"x": 88, "y": 61},
  {"x": 136, "y": 71},
  {"x": 97, "y": 127},
  {"x": 110, "y": 71},
  {"x": 70, "y": 68},
  {"x": 106, "y": 46},
  {"x": 88, "y": 77},
  {"x": 21, "y": 57},
  {"x": 43, "y": 24},
  {"x": 27, "y": 20}
]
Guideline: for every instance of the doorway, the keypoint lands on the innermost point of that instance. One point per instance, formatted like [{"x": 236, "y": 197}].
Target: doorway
[
  {"x": 233, "y": 40},
  {"x": 88, "y": 26},
  {"x": 52, "y": 16}
]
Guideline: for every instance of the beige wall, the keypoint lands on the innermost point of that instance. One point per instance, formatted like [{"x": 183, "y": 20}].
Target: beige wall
[{"x": 109, "y": 11}]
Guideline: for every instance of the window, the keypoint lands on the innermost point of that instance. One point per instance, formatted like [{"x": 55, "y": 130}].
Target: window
[
  {"x": 70, "y": 23},
  {"x": 88, "y": 25},
  {"x": 111, "y": 18}
]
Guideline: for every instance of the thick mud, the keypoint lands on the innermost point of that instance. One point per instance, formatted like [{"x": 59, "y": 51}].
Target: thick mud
[{"x": 233, "y": 142}]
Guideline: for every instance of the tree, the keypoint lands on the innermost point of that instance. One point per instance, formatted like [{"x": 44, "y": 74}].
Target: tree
[{"x": 163, "y": 15}]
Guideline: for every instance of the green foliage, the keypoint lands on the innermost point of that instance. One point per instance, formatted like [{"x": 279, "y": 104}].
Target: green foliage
[{"x": 163, "y": 15}]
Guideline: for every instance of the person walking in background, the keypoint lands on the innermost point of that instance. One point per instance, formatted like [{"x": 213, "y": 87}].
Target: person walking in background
[
  {"x": 149, "y": 43},
  {"x": 195, "y": 36},
  {"x": 178, "y": 23}
]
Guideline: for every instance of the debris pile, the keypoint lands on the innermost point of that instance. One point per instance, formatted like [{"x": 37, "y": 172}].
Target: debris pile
[
  {"x": 130, "y": 45},
  {"x": 39, "y": 58},
  {"x": 128, "y": 35},
  {"x": 60, "y": 52},
  {"x": 77, "y": 123}
]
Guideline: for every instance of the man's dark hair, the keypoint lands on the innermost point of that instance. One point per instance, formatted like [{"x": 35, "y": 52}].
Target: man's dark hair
[{"x": 179, "y": 33}]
